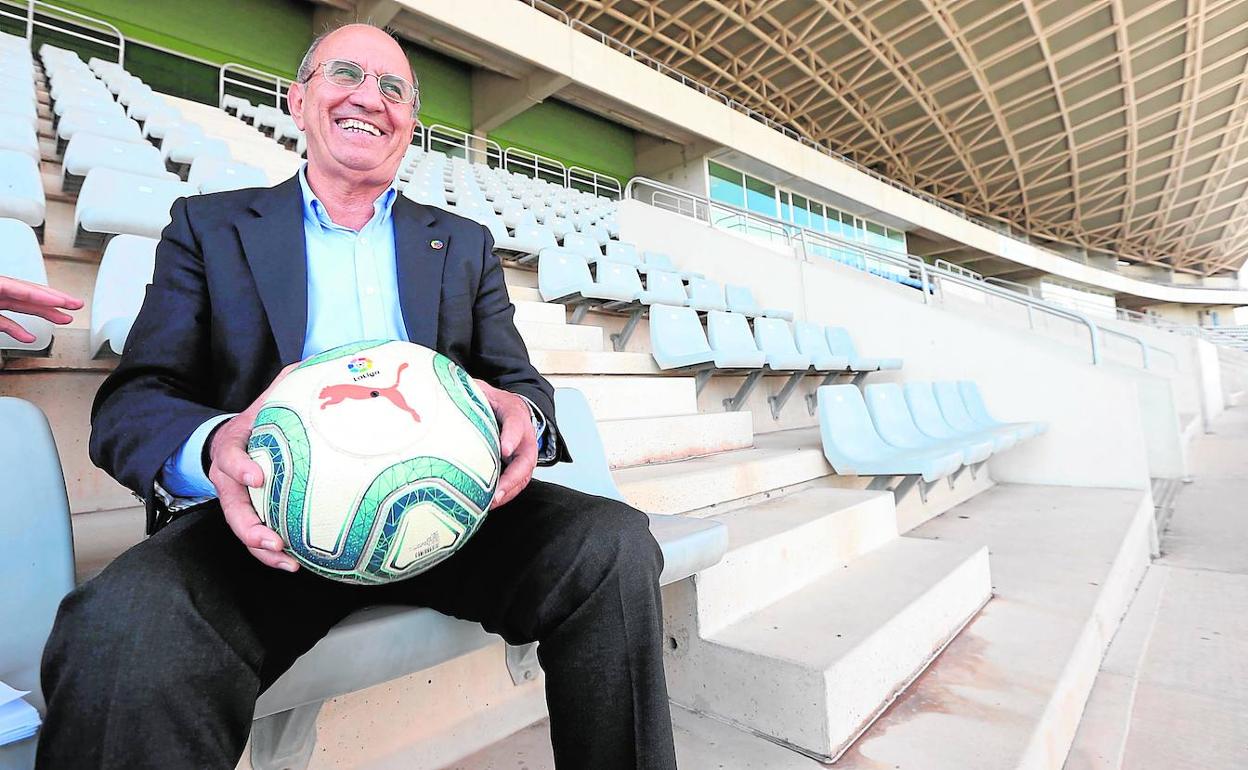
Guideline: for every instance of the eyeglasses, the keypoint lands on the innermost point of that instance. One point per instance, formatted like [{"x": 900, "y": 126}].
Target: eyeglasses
[{"x": 348, "y": 74}]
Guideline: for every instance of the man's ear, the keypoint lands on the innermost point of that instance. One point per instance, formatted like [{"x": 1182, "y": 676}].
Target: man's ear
[{"x": 294, "y": 100}]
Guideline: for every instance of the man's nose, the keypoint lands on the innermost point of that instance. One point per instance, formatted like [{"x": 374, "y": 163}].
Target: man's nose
[{"x": 368, "y": 95}]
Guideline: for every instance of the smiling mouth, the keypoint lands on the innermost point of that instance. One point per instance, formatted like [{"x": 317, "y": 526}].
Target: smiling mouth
[{"x": 354, "y": 125}]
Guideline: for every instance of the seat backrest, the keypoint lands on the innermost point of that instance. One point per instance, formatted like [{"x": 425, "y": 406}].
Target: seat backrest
[
  {"x": 846, "y": 428},
  {"x": 951, "y": 406},
  {"x": 891, "y": 417},
  {"x": 494, "y": 223},
  {"x": 658, "y": 261},
  {"x": 974, "y": 402},
  {"x": 19, "y": 175},
  {"x": 707, "y": 293},
  {"x": 36, "y": 546},
  {"x": 675, "y": 331},
  {"x": 583, "y": 245},
  {"x": 559, "y": 268},
  {"x": 926, "y": 412},
  {"x": 596, "y": 232},
  {"x": 120, "y": 287},
  {"x": 617, "y": 277},
  {"x": 210, "y": 174},
  {"x": 741, "y": 299},
  {"x": 21, "y": 258},
  {"x": 665, "y": 288},
  {"x": 774, "y": 337},
  {"x": 729, "y": 332},
  {"x": 530, "y": 230},
  {"x": 624, "y": 253},
  {"x": 839, "y": 342},
  {"x": 589, "y": 471},
  {"x": 811, "y": 340}
]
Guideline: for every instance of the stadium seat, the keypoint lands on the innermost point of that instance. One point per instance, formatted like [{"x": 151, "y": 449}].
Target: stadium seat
[
  {"x": 978, "y": 411},
  {"x": 812, "y": 341},
  {"x": 20, "y": 108},
  {"x": 360, "y": 651},
  {"x": 87, "y": 151},
  {"x": 587, "y": 247},
  {"x": 854, "y": 448},
  {"x": 662, "y": 289},
  {"x": 953, "y": 408},
  {"x": 161, "y": 122},
  {"x": 841, "y": 344},
  {"x": 774, "y": 337},
  {"x": 706, "y": 295},
  {"x": 530, "y": 239},
  {"x": 21, "y": 189},
  {"x": 180, "y": 148},
  {"x": 120, "y": 286},
  {"x": 20, "y": 258},
  {"x": 678, "y": 342},
  {"x": 16, "y": 134},
  {"x": 624, "y": 253},
  {"x": 598, "y": 233},
  {"x": 114, "y": 202},
  {"x": 741, "y": 300},
  {"x": 652, "y": 260},
  {"x": 895, "y": 424},
  {"x": 924, "y": 408},
  {"x": 428, "y": 194},
  {"x": 210, "y": 174},
  {"x": 103, "y": 124},
  {"x": 563, "y": 276}
]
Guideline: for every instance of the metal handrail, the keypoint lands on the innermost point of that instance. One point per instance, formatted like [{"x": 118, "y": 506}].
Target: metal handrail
[
  {"x": 597, "y": 182},
  {"x": 278, "y": 89},
  {"x": 959, "y": 269},
  {"x": 31, "y": 22},
  {"x": 470, "y": 143},
  {"x": 1021, "y": 288},
  {"x": 531, "y": 160}
]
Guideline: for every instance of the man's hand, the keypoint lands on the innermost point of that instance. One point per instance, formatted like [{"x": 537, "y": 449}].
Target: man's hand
[
  {"x": 231, "y": 471},
  {"x": 33, "y": 299},
  {"x": 517, "y": 442}
]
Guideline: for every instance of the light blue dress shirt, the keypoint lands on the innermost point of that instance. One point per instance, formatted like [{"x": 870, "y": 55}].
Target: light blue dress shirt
[{"x": 353, "y": 294}]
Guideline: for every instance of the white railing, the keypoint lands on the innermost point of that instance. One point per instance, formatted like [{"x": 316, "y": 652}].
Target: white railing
[
  {"x": 585, "y": 180},
  {"x": 534, "y": 165},
  {"x": 62, "y": 21},
  {"x": 272, "y": 88},
  {"x": 965, "y": 272},
  {"x": 471, "y": 147}
]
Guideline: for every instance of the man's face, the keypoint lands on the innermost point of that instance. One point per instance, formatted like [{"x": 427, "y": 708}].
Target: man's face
[{"x": 337, "y": 146}]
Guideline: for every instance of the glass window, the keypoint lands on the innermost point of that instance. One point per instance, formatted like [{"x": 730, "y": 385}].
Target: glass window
[
  {"x": 816, "y": 217},
  {"x": 875, "y": 235},
  {"x": 849, "y": 227},
  {"x": 727, "y": 185},
  {"x": 786, "y": 210},
  {"x": 760, "y": 197},
  {"x": 801, "y": 215}
]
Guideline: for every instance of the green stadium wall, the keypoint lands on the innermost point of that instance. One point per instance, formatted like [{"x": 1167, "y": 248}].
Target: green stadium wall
[{"x": 272, "y": 35}]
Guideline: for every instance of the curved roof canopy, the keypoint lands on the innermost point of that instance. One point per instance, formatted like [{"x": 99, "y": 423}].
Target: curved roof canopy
[{"x": 1116, "y": 125}]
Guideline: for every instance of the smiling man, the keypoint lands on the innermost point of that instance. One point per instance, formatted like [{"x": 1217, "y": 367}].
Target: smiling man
[{"x": 158, "y": 661}]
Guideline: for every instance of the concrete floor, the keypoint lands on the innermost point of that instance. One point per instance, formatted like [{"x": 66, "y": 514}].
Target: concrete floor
[{"x": 1173, "y": 690}]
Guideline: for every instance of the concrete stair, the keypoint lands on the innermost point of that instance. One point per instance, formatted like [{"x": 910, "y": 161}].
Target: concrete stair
[
  {"x": 626, "y": 397},
  {"x": 776, "y": 638},
  {"x": 560, "y": 336},
  {"x": 641, "y": 441}
]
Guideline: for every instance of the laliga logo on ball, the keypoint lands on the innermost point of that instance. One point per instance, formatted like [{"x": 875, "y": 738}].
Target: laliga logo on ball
[
  {"x": 359, "y": 365},
  {"x": 336, "y": 394}
]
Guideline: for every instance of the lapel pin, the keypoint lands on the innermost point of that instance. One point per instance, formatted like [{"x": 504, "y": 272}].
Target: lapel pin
[{"x": 437, "y": 244}]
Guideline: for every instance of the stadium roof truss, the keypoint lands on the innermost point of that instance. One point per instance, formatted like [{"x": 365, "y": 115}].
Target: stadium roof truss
[{"x": 1118, "y": 126}]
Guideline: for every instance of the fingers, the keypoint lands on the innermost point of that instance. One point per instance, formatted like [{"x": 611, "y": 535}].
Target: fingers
[
  {"x": 517, "y": 472},
  {"x": 261, "y": 541},
  {"x": 43, "y": 311},
  {"x": 15, "y": 330},
  {"x": 13, "y": 289},
  {"x": 515, "y": 425}
]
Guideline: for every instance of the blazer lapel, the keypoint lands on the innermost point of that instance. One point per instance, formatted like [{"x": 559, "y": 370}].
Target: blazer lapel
[
  {"x": 274, "y": 245},
  {"x": 419, "y": 268}
]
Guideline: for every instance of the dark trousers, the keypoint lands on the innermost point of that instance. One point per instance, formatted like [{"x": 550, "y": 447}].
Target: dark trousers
[{"x": 158, "y": 661}]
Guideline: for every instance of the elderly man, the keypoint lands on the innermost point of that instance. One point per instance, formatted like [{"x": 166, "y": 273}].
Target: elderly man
[{"x": 158, "y": 661}]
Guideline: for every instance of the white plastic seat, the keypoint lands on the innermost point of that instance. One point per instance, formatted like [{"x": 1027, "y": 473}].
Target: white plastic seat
[
  {"x": 21, "y": 189},
  {"x": 978, "y": 411},
  {"x": 87, "y": 151},
  {"x": 677, "y": 341},
  {"x": 181, "y": 148},
  {"x": 927, "y": 414},
  {"x": 729, "y": 334},
  {"x": 530, "y": 240},
  {"x": 774, "y": 337},
  {"x": 585, "y": 246},
  {"x": 563, "y": 276},
  {"x": 113, "y": 126},
  {"x": 21, "y": 258},
  {"x": 662, "y": 289},
  {"x": 114, "y": 202},
  {"x": 705, "y": 295},
  {"x": 210, "y": 174},
  {"x": 597, "y": 232},
  {"x": 120, "y": 285},
  {"x": 854, "y": 448},
  {"x": 949, "y": 398},
  {"x": 161, "y": 122},
  {"x": 21, "y": 109},
  {"x": 841, "y": 344},
  {"x": 741, "y": 300},
  {"x": 430, "y": 195},
  {"x": 812, "y": 341},
  {"x": 895, "y": 424},
  {"x": 624, "y": 253}
]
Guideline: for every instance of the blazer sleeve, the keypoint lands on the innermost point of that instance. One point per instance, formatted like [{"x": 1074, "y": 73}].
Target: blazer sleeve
[
  {"x": 499, "y": 353},
  {"x": 159, "y": 393}
]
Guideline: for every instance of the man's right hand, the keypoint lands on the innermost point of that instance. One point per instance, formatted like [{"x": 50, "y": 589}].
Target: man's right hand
[
  {"x": 231, "y": 471},
  {"x": 33, "y": 299}
]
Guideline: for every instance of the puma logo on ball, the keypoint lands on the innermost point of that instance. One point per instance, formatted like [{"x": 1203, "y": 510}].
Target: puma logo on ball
[{"x": 336, "y": 394}]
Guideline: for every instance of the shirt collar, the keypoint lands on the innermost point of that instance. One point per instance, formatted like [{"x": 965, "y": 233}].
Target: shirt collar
[{"x": 314, "y": 211}]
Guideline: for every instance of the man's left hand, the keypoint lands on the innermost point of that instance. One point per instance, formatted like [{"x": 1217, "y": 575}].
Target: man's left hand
[{"x": 517, "y": 442}]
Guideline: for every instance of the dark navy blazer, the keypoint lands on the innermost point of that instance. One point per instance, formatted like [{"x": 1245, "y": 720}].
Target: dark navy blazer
[{"x": 228, "y": 307}]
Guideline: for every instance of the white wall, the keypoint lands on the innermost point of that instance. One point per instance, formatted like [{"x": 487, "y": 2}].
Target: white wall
[{"x": 1096, "y": 436}]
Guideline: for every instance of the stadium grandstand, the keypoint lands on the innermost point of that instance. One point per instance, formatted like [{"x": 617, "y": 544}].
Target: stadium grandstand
[{"x": 911, "y": 324}]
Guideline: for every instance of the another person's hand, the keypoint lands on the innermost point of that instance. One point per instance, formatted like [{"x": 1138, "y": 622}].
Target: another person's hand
[
  {"x": 33, "y": 299},
  {"x": 517, "y": 442},
  {"x": 231, "y": 471}
]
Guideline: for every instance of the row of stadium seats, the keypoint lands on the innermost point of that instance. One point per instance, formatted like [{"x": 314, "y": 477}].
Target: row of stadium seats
[{"x": 923, "y": 430}]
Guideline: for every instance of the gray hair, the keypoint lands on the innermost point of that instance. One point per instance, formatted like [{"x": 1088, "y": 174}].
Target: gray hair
[{"x": 307, "y": 64}]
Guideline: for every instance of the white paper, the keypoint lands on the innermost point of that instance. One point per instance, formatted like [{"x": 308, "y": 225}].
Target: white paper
[{"x": 18, "y": 719}]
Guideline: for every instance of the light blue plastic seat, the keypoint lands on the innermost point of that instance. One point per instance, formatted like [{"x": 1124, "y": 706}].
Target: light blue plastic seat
[
  {"x": 654, "y": 260},
  {"x": 741, "y": 300},
  {"x": 929, "y": 418},
  {"x": 774, "y": 337},
  {"x": 854, "y": 448},
  {"x": 563, "y": 276},
  {"x": 894, "y": 423},
  {"x": 18, "y": 135},
  {"x": 706, "y": 295},
  {"x": 582, "y": 244},
  {"x": 624, "y": 253},
  {"x": 978, "y": 411},
  {"x": 21, "y": 189},
  {"x": 663, "y": 289},
  {"x": 21, "y": 258},
  {"x": 729, "y": 335},
  {"x": 812, "y": 342},
  {"x": 87, "y": 151},
  {"x": 949, "y": 398},
  {"x": 678, "y": 342},
  {"x": 597, "y": 232},
  {"x": 126, "y": 269},
  {"x": 210, "y": 174},
  {"x": 529, "y": 241},
  {"x": 841, "y": 344},
  {"x": 108, "y": 124}
]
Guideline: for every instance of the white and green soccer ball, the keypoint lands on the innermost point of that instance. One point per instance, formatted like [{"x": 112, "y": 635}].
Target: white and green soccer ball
[{"x": 380, "y": 460}]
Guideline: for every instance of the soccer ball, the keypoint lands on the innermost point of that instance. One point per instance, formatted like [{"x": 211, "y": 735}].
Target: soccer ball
[{"x": 380, "y": 459}]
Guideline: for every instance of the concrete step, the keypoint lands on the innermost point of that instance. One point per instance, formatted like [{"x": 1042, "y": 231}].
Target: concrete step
[
  {"x": 813, "y": 670},
  {"x": 523, "y": 293},
  {"x": 627, "y": 397},
  {"x": 647, "y": 440},
  {"x": 562, "y": 337},
  {"x": 101, "y": 536},
  {"x": 780, "y": 546},
  {"x": 520, "y": 276},
  {"x": 777, "y": 460},
  {"x": 551, "y": 362},
  {"x": 539, "y": 312}
]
